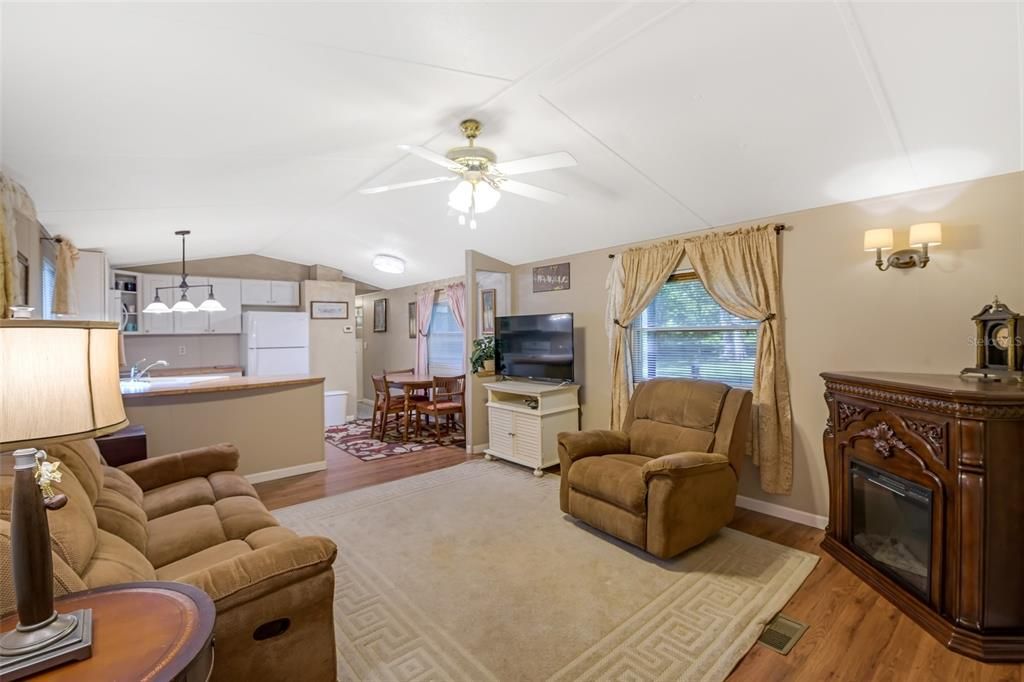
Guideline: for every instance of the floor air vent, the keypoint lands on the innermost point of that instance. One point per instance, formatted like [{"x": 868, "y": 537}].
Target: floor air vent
[{"x": 781, "y": 634}]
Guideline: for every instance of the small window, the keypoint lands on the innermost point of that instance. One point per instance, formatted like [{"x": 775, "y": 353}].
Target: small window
[
  {"x": 684, "y": 333},
  {"x": 49, "y": 281},
  {"x": 445, "y": 342}
]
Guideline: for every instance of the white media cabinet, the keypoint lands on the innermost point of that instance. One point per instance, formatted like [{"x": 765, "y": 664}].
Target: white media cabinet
[{"x": 526, "y": 435}]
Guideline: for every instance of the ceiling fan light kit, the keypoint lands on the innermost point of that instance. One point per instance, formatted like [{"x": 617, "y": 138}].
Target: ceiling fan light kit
[
  {"x": 183, "y": 304},
  {"x": 481, "y": 179}
]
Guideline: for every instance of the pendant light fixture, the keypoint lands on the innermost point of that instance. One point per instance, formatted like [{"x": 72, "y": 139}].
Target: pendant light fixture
[{"x": 183, "y": 304}]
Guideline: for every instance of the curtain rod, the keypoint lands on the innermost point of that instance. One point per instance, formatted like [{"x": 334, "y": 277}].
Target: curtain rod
[{"x": 778, "y": 227}]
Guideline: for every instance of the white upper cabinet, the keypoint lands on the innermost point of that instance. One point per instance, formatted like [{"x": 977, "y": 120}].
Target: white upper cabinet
[
  {"x": 269, "y": 292},
  {"x": 229, "y": 293},
  {"x": 153, "y": 323},
  {"x": 195, "y": 322}
]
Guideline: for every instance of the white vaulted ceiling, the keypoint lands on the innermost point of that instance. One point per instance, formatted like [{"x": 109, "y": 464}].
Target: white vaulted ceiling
[{"x": 254, "y": 124}]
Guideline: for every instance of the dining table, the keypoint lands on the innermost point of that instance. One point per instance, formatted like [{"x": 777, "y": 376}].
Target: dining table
[{"x": 412, "y": 386}]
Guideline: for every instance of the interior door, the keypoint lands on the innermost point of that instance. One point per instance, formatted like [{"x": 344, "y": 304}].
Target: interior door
[
  {"x": 153, "y": 323},
  {"x": 229, "y": 293}
]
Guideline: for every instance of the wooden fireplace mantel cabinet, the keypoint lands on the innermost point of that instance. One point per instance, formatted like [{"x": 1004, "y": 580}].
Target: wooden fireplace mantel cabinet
[{"x": 963, "y": 441}]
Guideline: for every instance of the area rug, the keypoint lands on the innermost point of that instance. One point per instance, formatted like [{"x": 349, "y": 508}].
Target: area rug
[
  {"x": 356, "y": 438},
  {"x": 472, "y": 573}
]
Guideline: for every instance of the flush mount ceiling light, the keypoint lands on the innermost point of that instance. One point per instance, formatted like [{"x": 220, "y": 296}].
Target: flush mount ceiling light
[
  {"x": 389, "y": 264},
  {"x": 482, "y": 179},
  {"x": 183, "y": 304}
]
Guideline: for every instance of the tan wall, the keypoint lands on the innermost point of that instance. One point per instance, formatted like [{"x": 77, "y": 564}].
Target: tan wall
[
  {"x": 840, "y": 312},
  {"x": 392, "y": 349},
  {"x": 332, "y": 350},
  {"x": 273, "y": 428}
]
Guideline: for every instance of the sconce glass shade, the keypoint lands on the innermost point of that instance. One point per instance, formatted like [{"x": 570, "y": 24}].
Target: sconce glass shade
[
  {"x": 878, "y": 239},
  {"x": 183, "y": 305},
  {"x": 60, "y": 382},
  {"x": 926, "y": 233}
]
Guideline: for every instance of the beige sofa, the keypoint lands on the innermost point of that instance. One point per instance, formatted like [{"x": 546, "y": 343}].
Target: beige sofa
[
  {"x": 189, "y": 517},
  {"x": 667, "y": 481}
]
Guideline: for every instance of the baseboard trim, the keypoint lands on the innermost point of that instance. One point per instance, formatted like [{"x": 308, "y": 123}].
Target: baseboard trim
[
  {"x": 478, "y": 449},
  {"x": 286, "y": 472},
  {"x": 778, "y": 511}
]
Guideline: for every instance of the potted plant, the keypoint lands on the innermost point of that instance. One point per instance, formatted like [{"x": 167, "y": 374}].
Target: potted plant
[{"x": 482, "y": 357}]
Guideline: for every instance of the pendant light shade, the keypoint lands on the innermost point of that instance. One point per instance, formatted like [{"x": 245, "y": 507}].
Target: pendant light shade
[
  {"x": 183, "y": 305},
  {"x": 157, "y": 306},
  {"x": 211, "y": 305}
]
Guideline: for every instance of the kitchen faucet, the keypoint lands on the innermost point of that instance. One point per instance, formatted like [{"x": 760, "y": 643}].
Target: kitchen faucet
[{"x": 138, "y": 375}]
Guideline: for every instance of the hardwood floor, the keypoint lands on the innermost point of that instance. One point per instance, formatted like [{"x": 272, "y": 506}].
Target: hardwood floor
[{"x": 855, "y": 634}]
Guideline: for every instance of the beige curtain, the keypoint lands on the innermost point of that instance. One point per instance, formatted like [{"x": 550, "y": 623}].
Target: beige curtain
[
  {"x": 741, "y": 272},
  {"x": 635, "y": 279},
  {"x": 64, "y": 302},
  {"x": 7, "y": 279}
]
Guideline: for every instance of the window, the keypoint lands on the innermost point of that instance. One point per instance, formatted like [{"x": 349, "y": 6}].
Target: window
[
  {"x": 49, "y": 277},
  {"x": 445, "y": 342},
  {"x": 683, "y": 333}
]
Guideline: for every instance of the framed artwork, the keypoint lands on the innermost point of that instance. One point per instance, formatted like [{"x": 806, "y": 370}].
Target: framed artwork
[
  {"x": 328, "y": 310},
  {"x": 551, "y": 278},
  {"x": 380, "y": 315},
  {"x": 21, "y": 276},
  {"x": 413, "y": 325},
  {"x": 488, "y": 301}
]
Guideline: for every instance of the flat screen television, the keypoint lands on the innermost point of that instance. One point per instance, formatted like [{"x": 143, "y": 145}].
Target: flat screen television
[{"x": 534, "y": 346}]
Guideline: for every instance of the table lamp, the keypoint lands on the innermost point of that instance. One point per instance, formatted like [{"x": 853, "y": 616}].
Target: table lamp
[{"x": 58, "y": 382}]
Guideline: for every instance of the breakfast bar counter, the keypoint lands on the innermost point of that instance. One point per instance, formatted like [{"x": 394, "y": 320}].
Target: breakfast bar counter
[{"x": 277, "y": 423}]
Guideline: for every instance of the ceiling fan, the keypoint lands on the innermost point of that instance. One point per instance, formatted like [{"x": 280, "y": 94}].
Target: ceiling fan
[{"x": 482, "y": 178}]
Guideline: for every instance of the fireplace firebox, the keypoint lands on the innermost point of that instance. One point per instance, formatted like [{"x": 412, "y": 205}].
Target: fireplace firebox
[{"x": 891, "y": 525}]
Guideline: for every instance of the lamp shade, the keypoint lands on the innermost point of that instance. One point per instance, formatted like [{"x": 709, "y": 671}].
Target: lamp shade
[
  {"x": 926, "y": 233},
  {"x": 59, "y": 382},
  {"x": 878, "y": 239}
]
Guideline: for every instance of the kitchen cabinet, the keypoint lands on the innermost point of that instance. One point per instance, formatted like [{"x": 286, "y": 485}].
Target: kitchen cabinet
[
  {"x": 269, "y": 292},
  {"x": 229, "y": 293},
  {"x": 197, "y": 321}
]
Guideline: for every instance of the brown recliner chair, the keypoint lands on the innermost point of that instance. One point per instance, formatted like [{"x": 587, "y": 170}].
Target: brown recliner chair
[{"x": 667, "y": 481}]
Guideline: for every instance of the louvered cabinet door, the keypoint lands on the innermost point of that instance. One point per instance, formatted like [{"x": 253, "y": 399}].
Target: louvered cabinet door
[
  {"x": 501, "y": 436},
  {"x": 526, "y": 428}
]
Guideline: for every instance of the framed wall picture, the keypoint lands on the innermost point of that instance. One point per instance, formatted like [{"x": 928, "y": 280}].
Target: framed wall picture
[
  {"x": 380, "y": 315},
  {"x": 413, "y": 323},
  {"x": 328, "y": 310},
  {"x": 551, "y": 278},
  {"x": 488, "y": 303}
]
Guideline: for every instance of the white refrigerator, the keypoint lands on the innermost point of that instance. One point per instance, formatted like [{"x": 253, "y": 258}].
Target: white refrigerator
[{"x": 275, "y": 344}]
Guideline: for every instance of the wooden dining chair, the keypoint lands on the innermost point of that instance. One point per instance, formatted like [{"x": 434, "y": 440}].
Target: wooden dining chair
[
  {"x": 386, "y": 404},
  {"x": 447, "y": 399}
]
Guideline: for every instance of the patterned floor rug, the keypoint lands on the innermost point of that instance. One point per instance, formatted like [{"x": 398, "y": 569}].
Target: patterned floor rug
[
  {"x": 356, "y": 439},
  {"x": 472, "y": 573}
]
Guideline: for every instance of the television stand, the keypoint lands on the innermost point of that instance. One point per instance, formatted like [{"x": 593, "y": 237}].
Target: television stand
[{"x": 525, "y": 418}]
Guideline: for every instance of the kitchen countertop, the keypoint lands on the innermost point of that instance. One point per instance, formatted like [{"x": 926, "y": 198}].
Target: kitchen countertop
[
  {"x": 192, "y": 371},
  {"x": 222, "y": 386}
]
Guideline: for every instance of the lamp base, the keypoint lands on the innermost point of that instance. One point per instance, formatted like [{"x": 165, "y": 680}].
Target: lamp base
[{"x": 65, "y": 637}]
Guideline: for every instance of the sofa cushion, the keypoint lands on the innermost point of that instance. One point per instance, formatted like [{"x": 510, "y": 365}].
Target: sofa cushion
[
  {"x": 119, "y": 515},
  {"x": 668, "y": 416},
  {"x": 615, "y": 480},
  {"x": 167, "y": 499},
  {"x": 82, "y": 458},
  {"x": 116, "y": 561},
  {"x": 115, "y": 479},
  {"x": 203, "y": 559},
  {"x": 242, "y": 515},
  {"x": 230, "y": 484},
  {"x": 177, "y": 535},
  {"x": 264, "y": 537}
]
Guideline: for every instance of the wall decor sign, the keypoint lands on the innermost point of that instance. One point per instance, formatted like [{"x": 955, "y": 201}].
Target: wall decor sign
[
  {"x": 488, "y": 301},
  {"x": 380, "y": 315},
  {"x": 328, "y": 310},
  {"x": 551, "y": 278},
  {"x": 412, "y": 320}
]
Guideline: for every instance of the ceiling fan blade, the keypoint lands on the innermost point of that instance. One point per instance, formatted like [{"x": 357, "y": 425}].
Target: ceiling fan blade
[
  {"x": 432, "y": 157},
  {"x": 530, "y": 191},
  {"x": 533, "y": 164},
  {"x": 403, "y": 185}
]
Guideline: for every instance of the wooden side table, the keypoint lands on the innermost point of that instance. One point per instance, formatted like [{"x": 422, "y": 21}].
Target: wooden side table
[
  {"x": 125, "y": 446},
  {"x": 160, "y": 631}
]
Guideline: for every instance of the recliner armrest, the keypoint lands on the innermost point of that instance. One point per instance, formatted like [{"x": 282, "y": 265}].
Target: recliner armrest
[
  {"x": 262, "y": 571},
  {"x": 580, "y": 444},
  {"x": 682, "y": 464},
  {"x": 165, "y": 469}
]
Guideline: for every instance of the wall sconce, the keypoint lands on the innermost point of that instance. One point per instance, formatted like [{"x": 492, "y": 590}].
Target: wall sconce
[{"x": 922, "y": 236}]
